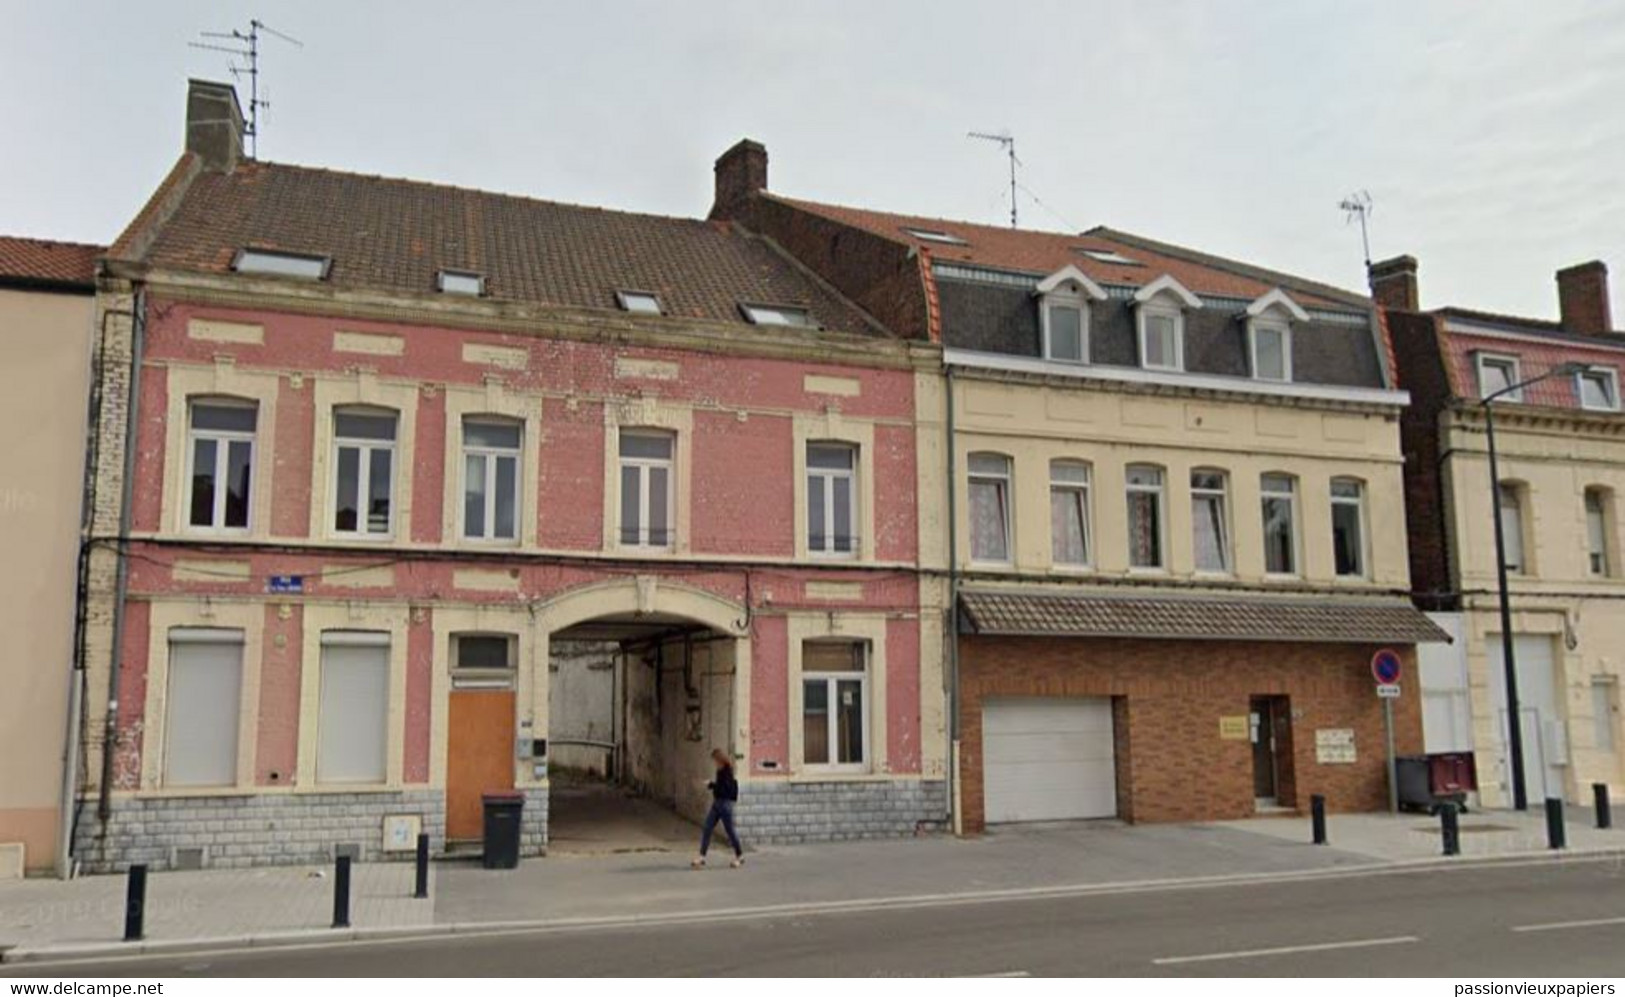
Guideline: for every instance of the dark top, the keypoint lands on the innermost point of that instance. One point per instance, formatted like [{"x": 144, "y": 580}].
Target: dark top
[{"x": 724, "y": 786}]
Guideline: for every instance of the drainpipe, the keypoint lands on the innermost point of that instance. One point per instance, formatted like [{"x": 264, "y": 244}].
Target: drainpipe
[
  {"x": 954, "y": 816},
  {"x": 138, "y": 330}
]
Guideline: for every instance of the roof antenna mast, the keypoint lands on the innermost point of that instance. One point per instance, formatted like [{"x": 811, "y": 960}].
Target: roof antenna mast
[
  {"x": 1008, "y": 142},
  {"x": 245, "y": 45},
  {"x": 1358, "y": 206}
]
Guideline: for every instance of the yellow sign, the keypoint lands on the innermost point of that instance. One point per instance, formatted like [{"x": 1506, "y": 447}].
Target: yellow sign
[{"x": 1233, "y": 728}]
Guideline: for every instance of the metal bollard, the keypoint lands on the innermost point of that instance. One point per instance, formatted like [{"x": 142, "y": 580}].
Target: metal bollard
[
  {"x": 1450, "y": 829},
  {"x": 341, "y": 892},
  {"x": 135, "y": 904},
  {"x": 1317, "y": 817},
  {"x": 1605, "y": 812},
  {"x": 1555, "y": 832},
  {"x": 420, "y": 890}
]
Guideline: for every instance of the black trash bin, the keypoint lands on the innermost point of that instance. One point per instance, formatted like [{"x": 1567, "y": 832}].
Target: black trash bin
[{"x": 503, "y": 815}]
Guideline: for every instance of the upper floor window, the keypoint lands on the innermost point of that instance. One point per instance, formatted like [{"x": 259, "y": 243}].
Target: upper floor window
[
  {"x": 1511, "y": 511},
  {"x": 646, "y": 487},
  {"x": 460, "y": 282},
  {"x": 221, "y": 450},
  {"x": 1598, "y": 388},
  {"x": 1066, "y": 328},
  {"x": 1272, "y": 351},
  {"x": 1210, "y": 521},
  {"x": 1348, "y": 527},
  {"x": 1145, "y": 516},
  {"x": 1599, "y": 505},
  {"x": 1069, "y": 513},
  {"x": 831, "y": 497},
  {"x": 1497, "y": 373},
  {"x": 278, "y": 264},
  {"x": 1279, "y": 501},
  {"x": 990, "y": 508},
  {"x": 364, "y": 478},
  {"x": 491, "y": 460},
  {"x": 1162, "y": 338}
]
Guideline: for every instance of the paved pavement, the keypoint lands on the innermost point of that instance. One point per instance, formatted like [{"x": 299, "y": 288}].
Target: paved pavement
[
  {"x": 41, "y": 918},
  {"x": 1509, "y": 920}
]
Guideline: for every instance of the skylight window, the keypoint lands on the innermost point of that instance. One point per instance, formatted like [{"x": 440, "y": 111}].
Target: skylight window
[
  {"x": 266, "y": 261},
  {"x": 1108, "y": 256},
  {"x": 776, "y": 315},
  {"x": 460, "y": 282},
  {"x": 933, "y": 235},
  {"x": 641, "y": 302}
]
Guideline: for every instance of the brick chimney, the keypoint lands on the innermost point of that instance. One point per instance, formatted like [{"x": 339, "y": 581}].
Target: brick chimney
[
  {"x": 740, "y": 172},
  {"x": 214, "y": 124},
  {"x": 1393, "y": 284},
  {"x": 1582, "y": 296}
]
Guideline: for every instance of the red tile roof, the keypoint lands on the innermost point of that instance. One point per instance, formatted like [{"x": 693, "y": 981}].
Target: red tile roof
[
  {"x": 1039, "y": 252},
  {"x": 48, "y": 261},
  {"x": 393, "y": 235}
]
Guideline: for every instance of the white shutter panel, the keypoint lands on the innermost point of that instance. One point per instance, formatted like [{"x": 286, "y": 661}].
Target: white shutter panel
[
  {"x": 204, "y": 695},
  {"x": 353, "y": 724}
]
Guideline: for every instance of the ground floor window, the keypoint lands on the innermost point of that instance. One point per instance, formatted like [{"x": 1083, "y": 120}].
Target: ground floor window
[
  {"x": 834, "y": 704},
  {"x": 353, "y": 723},
  {"x": 204, "y": 704}
]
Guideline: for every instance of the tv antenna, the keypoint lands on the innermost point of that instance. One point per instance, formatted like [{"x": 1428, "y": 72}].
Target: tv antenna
[
  {"x": 1358, "y": 206},
  {"x": 1008, "y": 142},
  {"x": 245, "y": 45}
]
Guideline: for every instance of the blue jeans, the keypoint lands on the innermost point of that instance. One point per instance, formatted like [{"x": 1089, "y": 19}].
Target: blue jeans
[{"x": 721, "y": 810}]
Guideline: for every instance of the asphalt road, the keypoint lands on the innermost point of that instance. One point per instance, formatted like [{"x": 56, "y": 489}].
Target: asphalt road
[{"x": 1566, "y": 919}]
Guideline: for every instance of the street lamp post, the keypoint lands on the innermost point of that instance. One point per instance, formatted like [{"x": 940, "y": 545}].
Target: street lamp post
[{"x": 1520, "y": 793}]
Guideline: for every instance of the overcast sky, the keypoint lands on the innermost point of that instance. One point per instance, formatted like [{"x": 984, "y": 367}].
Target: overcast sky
[{"x": 1491, "y": 135}]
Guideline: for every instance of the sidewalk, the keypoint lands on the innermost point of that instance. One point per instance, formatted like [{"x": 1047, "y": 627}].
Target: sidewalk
[{"x": 50, "y": 919}]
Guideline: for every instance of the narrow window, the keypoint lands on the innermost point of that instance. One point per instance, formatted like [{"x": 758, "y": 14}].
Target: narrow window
[
  {"x": 1605, "y": 712},
  {"x": 491, "y": 453},
  {"x": 1348, "y": 527},
  {"x": 646, "y": 488},
  {"x": 990, "y": 508},
  {"x": 1280, "y": 530},
  {"x": 353, "y": 718},
  {"x": 1272, "y": 352},
  {"x": 831, "y": 495},
  {"x": 1599, "y": 389},
  {"x": 1512, "y": 527},
  {"x": 1210, "y": 521},
  {"x": 1161, "y": 339},
  {"x": 221, "y": 451},
  {"x": 1065, "y": 329},
  {"x": 202, "y": 704},
  {"x": 264, "y": 261},
  {"x": 1069, "y": 513},
  {"x": 834, "y": 704},
  {"x": 364, "y": 472},
  {"x": 1597, "y": 507},
  {"x": 1497, "y": 374},
  {"x": 1145, "y": 516},
  {"x": 776, "y": 315}
]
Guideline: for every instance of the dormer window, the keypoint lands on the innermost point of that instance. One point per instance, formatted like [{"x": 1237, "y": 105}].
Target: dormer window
[
  {"x": 1598, "y": 389},
  {"x": 776, "y": 315},
  {"x": 933, "y": 235},
  {"x": 1496, "y": 373},
  {"x": 1160, "y": 308},
  {"x": 1269, "y": 335},
  {"x": 460, "y": 282},
  {"x": 273, "y": 263},
  {"x": 639, "y": 302},
  {"x": 1063, "y": 314}
]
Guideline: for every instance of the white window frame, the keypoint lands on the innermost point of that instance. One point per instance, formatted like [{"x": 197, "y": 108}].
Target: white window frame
[
  {"x": 1295, "y": 534},
  {"x": 490, "y": 456},
  {"x": 1076, "y": 302},
  {"x": 1284, "y": 329},
  {"x": 1363, "y": 548},
  {"x": 624, "y": 300},
  {"x": 1515, "y": 366},
  {"x": 1004, "y": 481},
  {"x": 275, "y": 263},
  {"x": 1610, "y": 384},
  {"x": 366, "y": 448},
  {"x": 644, "y": 466},
  {"x": 1222, "y": 494},
  {"x": 1599, "y": 536},
  {"x": 832, "y": 682},
  {"x": 1512, "y": 530},
  {"x": 1142, "y": 320},
  {"x": 222, "y": 438},
  {"x": 454, "y": 282},
  {"x": 1159, "y": 491},
  {"x": 794, "y": 316},
  {"x": 1079, "y": 493},
  {"x": 833, "y": 477}
]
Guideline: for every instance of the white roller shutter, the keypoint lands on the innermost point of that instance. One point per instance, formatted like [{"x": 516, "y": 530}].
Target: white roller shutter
[
  {"x": 353, "y": 724},
  {"x": 204, "y": 703},
  {"x": 1048, "y": 759}
]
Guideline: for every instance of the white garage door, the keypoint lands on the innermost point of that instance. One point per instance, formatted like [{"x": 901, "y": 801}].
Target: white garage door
[{"x": 1048, "y": 759}]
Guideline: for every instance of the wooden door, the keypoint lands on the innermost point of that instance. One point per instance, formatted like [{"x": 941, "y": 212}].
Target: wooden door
[{"x": 479, "y": 756}]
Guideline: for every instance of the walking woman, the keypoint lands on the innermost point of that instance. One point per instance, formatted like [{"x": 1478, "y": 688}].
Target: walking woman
[{"x": 724, "y": 794}]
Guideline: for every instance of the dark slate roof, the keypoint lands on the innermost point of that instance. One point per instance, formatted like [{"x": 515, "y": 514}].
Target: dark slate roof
[
  {"x": 48, "y": 262},
  {"x": 393, "y": 236},
  {"x": 1343, "y": 622}
]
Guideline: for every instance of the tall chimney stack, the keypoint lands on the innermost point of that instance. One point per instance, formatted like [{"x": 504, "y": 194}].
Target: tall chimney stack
[
  {"x": 214, "y": 124},
  {"x": 1582, "y": 297},
  {"x": 740, "y": 172},
  {"x": 1393, "y": 284}
]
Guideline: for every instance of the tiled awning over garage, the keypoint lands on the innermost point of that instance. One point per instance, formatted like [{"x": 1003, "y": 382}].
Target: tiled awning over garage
[{"x": 1050, "y": 614}]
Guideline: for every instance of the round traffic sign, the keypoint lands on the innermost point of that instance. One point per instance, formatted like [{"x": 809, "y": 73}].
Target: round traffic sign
[{"x": 1385, "y": 666}]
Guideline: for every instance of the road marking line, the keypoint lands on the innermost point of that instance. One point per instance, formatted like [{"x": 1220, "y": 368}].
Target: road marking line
[
  {"x": 1561, "y": 925},
  {"x": 1286, "y": 950}
]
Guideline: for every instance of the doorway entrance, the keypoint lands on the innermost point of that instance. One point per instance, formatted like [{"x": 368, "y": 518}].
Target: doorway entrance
[
  {"x": 479, "y": 757},
  {"x": 1270, "y": 719}
]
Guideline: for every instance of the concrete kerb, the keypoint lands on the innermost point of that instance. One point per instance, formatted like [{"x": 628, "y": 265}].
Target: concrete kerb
[{"x": 67, "y": 954}]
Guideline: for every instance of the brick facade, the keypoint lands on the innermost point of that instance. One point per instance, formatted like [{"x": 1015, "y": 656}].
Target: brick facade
[{"x": 1168, "y": 697}]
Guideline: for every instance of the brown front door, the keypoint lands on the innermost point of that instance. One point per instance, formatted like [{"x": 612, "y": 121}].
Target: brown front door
[{"x": 479, "y": 756}]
